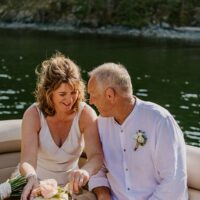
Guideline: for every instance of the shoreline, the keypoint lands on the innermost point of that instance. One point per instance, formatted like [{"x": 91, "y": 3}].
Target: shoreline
[{"x": 190, "y": 34}]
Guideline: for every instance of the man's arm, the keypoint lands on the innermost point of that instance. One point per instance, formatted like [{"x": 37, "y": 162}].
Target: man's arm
[
  {"x": 102, "y": 193},
  {"x": 170, "y": 162},
  {"x": 100, "y": 186}
]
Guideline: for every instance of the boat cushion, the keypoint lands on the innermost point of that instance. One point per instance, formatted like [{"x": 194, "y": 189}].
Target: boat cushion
[
  {"x": 193, "y": 167},
  {"x": 10, "y": 137}
]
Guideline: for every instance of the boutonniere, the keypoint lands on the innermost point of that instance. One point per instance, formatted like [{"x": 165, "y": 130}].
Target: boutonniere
[{"x": 140, "y": 138}]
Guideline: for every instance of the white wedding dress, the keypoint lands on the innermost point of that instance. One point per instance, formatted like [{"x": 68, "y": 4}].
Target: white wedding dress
[{"x": 56, "y": 162}]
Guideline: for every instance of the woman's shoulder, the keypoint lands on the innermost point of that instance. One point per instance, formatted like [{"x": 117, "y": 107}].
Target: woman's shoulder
[
  {"x": 88, "y": 115},
  {"x": 87, "y": 110},
  {"x": 31, "y": 119},
  {"x": 31, "y": 112}
]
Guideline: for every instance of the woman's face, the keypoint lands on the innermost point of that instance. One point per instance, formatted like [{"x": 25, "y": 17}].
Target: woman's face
[{"x": 64, "y": 97}]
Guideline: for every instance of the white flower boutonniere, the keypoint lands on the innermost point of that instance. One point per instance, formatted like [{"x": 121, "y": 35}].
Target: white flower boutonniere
[{"x": 140, "y": 138}]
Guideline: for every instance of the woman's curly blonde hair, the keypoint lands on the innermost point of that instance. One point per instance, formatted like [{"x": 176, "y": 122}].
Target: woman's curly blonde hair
[{"x": 51, "y": 73}]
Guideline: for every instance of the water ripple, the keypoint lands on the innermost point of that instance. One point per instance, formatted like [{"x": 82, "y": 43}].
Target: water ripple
[
  {"x": 187, "y": 96},
  {"x": 5, "y": 112},
  {"x": 142, "y": 92},
  {"x": 184, "y": 107},
  {"x": 165, "y": 80},
  {"x": 195, "y": 128},
  {"x": 193, "y": 135},
  {"x": 20, "y": 105},
  {"x": 147, "y": 76},
  {"x": 195, "y": 105},
  {"x": 186, "y": 82},
  {"x": 18, "y": 79},
  {"x": 5, "y": 76},
  {"x": 9, "y": 91},
  {"x": 167, "y": 105},
  {"x": 4, "y": 98}
]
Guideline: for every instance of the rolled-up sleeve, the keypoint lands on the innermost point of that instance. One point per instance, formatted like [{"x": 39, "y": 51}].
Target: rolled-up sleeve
[
  {"x": 170, "y": 162},
  {"x": 98, "y": 180}
]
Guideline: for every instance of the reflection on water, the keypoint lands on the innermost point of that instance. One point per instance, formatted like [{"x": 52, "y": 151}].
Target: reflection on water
[
  {"x": 164, "y": 72},
  {"x": 142, "y": 93}
]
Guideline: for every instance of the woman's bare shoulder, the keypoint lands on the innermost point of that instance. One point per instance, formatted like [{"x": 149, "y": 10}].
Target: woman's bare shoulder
[
  {"x": 87, "y": 117},
  {"x": 31, "y": 111},
  {"x": 88, "y": 112},
  {"x": 31, "y": 116}
]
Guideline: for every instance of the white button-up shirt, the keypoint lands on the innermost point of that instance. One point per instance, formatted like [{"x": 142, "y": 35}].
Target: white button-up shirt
[{"x": 156, "y": 170}]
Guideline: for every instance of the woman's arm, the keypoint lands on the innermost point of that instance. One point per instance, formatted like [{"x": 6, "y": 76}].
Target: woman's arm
[
  {"x": 92, "y": 142},
  {"x": 29, "y": 148},
  {"x": 88, "y": 126}
]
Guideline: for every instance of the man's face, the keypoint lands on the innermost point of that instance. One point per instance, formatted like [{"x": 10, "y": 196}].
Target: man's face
[{"x": 97, "y": 98}]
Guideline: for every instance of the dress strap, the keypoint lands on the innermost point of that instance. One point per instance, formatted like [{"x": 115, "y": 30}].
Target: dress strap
[{"x": 81, "y": 106}]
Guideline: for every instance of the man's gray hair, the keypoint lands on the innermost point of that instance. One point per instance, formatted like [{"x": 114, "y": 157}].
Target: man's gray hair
[{"x": 113, "y": 75}]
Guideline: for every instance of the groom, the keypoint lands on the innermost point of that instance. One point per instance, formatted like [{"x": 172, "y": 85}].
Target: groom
[{"x": 144, "y": 149}]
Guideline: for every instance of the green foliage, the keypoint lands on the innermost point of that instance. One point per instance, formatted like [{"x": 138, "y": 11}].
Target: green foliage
[
  {"x": 135, "y": 13},
  {"x": 138, "y": 13},
  {"x": 89, "y": 10}
]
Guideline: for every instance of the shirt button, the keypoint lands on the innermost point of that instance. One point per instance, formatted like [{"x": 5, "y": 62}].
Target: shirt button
[
  {"x": 122, "y": 131},
  {"x": 126, "y": 169},
  {"x": 128, "y": 188},
  {"x": 124, "y": 150}
]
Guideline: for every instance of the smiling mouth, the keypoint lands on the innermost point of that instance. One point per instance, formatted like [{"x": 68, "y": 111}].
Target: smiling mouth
[{"x": 67, "y": 105}]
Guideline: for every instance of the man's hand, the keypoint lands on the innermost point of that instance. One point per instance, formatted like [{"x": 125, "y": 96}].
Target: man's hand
[
  {"x": 102, "y": 193},
  {"x": 84, "y": 196}
]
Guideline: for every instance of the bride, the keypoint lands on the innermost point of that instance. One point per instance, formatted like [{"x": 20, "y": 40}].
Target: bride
[{"x": 57, "y": 128}]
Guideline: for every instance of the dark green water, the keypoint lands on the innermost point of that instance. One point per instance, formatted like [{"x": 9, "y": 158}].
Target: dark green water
[{"x": 165, "y": 72}]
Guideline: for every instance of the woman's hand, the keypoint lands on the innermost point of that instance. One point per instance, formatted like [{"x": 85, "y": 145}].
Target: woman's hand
[
  {"x": 31, "y": 184},
  {"x": 78, "y": 178}
]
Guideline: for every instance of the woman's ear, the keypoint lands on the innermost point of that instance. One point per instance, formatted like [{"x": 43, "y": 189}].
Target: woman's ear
[{"x": 110, "y": 94}]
